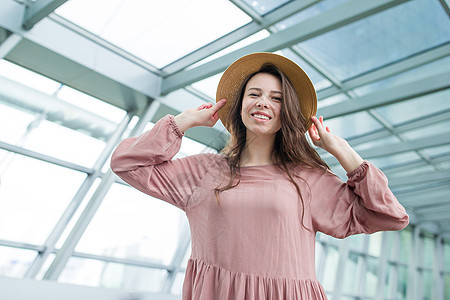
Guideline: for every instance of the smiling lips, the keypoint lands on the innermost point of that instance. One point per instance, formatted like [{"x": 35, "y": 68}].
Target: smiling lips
[{"x": 260, "y": 116}]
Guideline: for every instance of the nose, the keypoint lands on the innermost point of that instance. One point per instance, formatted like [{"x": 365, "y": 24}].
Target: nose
[{"x": 261, "y": 103}]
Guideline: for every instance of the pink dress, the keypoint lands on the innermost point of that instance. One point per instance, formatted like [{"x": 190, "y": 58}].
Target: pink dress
[{"x": 252, "y": 245}]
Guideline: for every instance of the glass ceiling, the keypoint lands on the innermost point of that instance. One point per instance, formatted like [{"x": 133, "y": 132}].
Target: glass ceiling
[
  {"x": 381, "y": 39},
  {"x": 381, "y": 85},
  {"x": 142, "y": 27}
]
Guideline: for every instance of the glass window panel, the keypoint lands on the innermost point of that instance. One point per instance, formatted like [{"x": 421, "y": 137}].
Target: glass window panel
[
  {"x": 351, "y": 270},
  {"x": 437, "y": 151},
  {"x": 393, "y": 160},
  {"x": 426, "y": 131},
  {"x": 15, "y": 262},
  {"x": 28, "y": 78},
  {"x": 381, "y": 39},
  {"x": 446, "y": 256},
  {"x": 318, "y": 253},
  {"x": 447, "y": 286},
  {"x": 77, "y": 214},
  {"x": 33, "y": 200},
  {"x": 375, "y": 240},
  {"x": 148, "y": 229},
  {"x": 64, "y": 143},
  {"x": 402, "y": 284},
  {"x": 317, "y": 79},
  {"x": 331, "y": 100},
  {"x": 209, "y": 85},
  {"x": 177, "y": 286},
  {"x": 189, "y": 24},
  {"x": 422, "y": 72},
  {"x": 186, "y": 257},
  {"x": 308, "y": 13},
  {"x": 427, "y": 285},
  {"x": 410, "y": 172},
  {"x": 428, "y": 252},
  {"x": 265, "y": 6},
  {"x": 331, "y": 263},
  {"x": 91, "y": 104},
  {"x": 389, "y": 283},
  {"x": 353, "y": 125},
  {"x": 356, "y": 242},
  {"x": 111, "y": 275},
  {"x": 405, "y": 246},
  {"x": 415, "y": 108},
  {"x": 371, "y": 277},
  {"x": 16, "y": 121},
  {"x": 444, "y": 166},
  {"x": 394, "y": 245},
  {"x": 191, "y": 147},
  {"x": 377, "y": 143},
  {"x": 238, "y": 45}
]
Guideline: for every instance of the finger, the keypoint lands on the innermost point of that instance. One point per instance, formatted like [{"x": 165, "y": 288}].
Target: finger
[
  {"x": 318, "y": 125},
  {"x": 219, "y": 104},
  {"x": 313, "y": 133},
  {"x": 201, "y": 107}
]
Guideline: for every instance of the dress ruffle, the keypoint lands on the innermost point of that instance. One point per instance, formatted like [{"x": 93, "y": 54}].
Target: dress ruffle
[{"x": 204, "y": 282}]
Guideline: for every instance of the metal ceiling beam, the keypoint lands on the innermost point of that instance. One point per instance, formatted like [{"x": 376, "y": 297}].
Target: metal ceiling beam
[
  {"x": 38, "y": 10},
  {"x": 435, "y": 215},
  {"x": 434, "y": 208},
  {"x": 415, "y": 124},
  {"x": 421, "y": 178},
  {"x": 395, "y": 148},
  {"x": 239, "y": 34},
  {"x": 337, "y": 17},
  {"x": 416, "y": 164},
  {"x": 247, "y": 9},
  {"x": 45, "y": 158},
  {"x": 445, "y": 6},
  {"x": 9, "y": 44},
  {"x": 430, "y": 196},
  {"x": 55, "y": 110},
  {"x": 388, "y": 70},
  {"x": 388, "y": 96}
]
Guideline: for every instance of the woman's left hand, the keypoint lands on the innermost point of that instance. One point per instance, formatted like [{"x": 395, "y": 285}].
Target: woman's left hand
[
  {"x": 335, "y": 145},
  {"x": 321, "y": 137}
]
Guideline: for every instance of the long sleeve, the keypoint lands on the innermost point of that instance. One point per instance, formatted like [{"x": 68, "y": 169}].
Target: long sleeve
[
  {"x": 145, "y": 163},
  {"x": 364, "y": 204}
]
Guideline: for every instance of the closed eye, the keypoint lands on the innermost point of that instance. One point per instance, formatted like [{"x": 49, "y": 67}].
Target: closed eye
[{"x": 277, "y": 98}]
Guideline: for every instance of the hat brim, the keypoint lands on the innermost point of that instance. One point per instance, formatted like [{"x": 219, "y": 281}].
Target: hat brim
[{"x": 239, "y": 70}]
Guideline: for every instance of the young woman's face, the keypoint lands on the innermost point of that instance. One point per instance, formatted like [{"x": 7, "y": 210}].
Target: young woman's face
[{"x": 261, "y": 104}]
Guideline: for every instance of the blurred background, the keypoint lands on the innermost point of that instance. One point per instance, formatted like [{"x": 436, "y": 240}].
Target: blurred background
[{"x": 78, "y": 76}]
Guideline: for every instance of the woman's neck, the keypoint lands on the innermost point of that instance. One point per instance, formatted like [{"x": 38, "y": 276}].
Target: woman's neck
[{"x": 258, "y": 150}]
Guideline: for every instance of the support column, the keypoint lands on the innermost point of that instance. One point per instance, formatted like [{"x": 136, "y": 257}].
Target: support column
[
  {"x": 412, "y": 292},
  {"x": 382, "y": 266},
  {"x": 340, "y": 270},
  {"x": 438, "y": 269}
]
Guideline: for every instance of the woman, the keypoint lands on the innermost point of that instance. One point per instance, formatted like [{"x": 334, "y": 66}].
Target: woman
[{"x": 254, "y": 209}]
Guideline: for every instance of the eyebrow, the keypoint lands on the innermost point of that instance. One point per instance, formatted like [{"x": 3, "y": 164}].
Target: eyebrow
[{"x": 259, "y": 89}]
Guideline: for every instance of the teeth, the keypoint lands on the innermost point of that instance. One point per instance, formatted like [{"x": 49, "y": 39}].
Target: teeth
[{"x": 261, "y": 117}]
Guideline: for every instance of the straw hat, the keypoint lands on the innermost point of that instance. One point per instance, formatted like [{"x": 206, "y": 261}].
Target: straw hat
[{"x": 238, "y": 71}]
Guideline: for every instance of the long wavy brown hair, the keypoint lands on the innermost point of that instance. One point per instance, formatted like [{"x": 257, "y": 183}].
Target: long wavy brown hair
[{"x": 291, "y": 146}]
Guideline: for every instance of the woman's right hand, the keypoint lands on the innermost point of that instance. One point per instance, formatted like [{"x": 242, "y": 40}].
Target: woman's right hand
[{"x": 204, "y": 115}]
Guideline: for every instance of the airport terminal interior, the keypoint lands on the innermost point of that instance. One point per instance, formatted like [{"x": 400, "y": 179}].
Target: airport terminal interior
[{"x": 78, "y": 76}]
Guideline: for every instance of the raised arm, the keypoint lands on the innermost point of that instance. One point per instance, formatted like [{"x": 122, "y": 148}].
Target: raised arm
[
  {"x": 364, "y": 204},
  {"x": 145, "y": 162}
]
